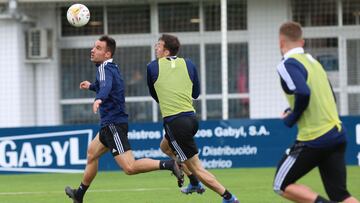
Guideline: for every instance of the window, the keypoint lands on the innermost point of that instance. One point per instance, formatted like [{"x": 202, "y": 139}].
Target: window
[
  {"x": 94, "y": 27},
  {"x": 354, "y": 104},
  {"x": 132, "y": 62},
  {"x": 238, "y": 69},
  {"x": 325, "y": 50},
  {"x": 76, "y": 67},
  {"x": 351, "y": 12},
  {"x": 315, "y": 13},
  {"x": 79, "y": 114},
  {"x": 239, "y": 108},
  {"x": 128, "y": 19},
  {"x": 139, "y": 111},
  {"x": 238, "y": 77},
  {"x": 191, "y": 52},
  {"x": 214, "y": 109},
  {"x": 213, "y": 68},
  {"x": 212, "y": 15},
  {"x": 178, "y": 17},
  {"x": 2, "y": 7},
  {"x": 236, "y": 14},
  {"x": 353, "y": 61}
]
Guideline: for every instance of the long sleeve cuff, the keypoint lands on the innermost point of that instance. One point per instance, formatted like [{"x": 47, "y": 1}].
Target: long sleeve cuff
[
  {"x": 291, "y": 119},
  {"x": 92, "y": 87}
]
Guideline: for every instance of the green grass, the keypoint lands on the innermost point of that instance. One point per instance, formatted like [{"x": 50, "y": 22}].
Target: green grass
[{"x": 251, "y": 185}]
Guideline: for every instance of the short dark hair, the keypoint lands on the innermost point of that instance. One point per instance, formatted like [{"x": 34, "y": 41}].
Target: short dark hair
[
  {"x": 110, "y": 43},
  {"x": 291, "y": 30},
  {"x": 171, "y": 43}
]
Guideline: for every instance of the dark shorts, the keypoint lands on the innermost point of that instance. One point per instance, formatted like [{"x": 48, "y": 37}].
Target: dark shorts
[
  {"x": 180, "y": 134},
  {"x": 114, "y": 137},
  {"x": 301, "y": 159}
]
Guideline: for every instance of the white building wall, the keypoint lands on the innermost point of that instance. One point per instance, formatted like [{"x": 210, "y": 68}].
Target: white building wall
[
  {"x": 30, "y": 91},
  {"x": 264, "y": 19},
  {"x": 47, "y": 74},
  {"x": 27, "y": 97},
  {"x": 16, "y": 85}
]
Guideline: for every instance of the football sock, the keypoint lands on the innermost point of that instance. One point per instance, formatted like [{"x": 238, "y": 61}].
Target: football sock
[
  {"x": 81, "y": 191},
  {"x": 193, "y": 180},
  {"x": 167, "y": 164},
  {"x": 227, "y": 195}
]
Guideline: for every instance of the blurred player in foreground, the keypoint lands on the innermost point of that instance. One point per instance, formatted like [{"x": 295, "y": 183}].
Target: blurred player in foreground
[
  {"x": 110, "y": 101},
  {"x": 173, "y": 82},
  {"x": 321, "y": 138}
]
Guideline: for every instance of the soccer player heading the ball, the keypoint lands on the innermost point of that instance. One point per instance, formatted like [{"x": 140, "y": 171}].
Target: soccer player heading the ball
[{"x": 110, "y": 101}]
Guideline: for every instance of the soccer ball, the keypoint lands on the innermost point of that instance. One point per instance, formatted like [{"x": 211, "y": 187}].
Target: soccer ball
[{"x": 78, "y": 15}]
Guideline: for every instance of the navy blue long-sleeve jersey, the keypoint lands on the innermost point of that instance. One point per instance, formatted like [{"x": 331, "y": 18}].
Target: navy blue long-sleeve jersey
[
  {"x": 293, "y": 81},
  {"x": 110, "y": 89},
  {"x": 293, "y": 76},
  {"x": 153, "y": 73}
]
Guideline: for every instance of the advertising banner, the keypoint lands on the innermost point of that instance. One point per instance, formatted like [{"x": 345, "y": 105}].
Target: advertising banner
[{"x": 222, "y": 144}]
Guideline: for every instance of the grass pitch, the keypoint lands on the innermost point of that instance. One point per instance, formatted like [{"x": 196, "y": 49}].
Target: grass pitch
[{"x": 251, "y": 185}]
